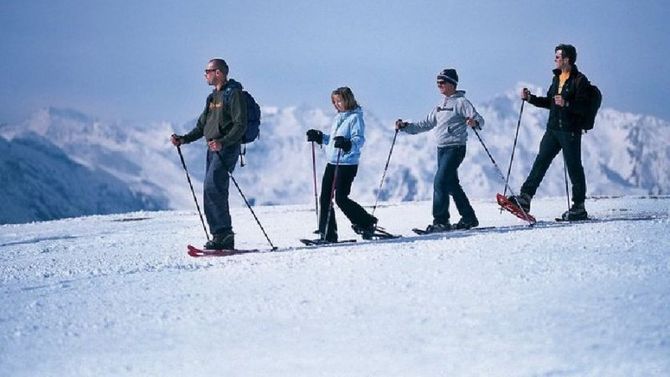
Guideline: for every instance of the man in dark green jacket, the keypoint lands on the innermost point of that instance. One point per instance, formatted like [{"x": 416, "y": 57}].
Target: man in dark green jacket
[
  {"x": 223, "y": 124},
  {"x": 567, "y": 101}
]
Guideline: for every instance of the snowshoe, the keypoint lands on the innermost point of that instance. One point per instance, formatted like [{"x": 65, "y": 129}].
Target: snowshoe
[
  {"x": 522, "y": 201},
  {"x": 322, "y": 242},
  {"x": 517, "y": 211},
  {"x": 197, "y": 252},
  {"x": 433, "y": 228}
]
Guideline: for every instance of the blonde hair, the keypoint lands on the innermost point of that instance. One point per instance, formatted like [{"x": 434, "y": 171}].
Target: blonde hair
[{"x": 347, "y": 97}]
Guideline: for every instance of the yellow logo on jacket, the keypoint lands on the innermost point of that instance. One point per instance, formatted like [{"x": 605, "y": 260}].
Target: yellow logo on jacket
[{"x": 215, "y": 105}]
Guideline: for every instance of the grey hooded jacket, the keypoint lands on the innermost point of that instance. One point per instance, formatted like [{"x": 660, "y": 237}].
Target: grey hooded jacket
[{"x": 448, "y": 119}]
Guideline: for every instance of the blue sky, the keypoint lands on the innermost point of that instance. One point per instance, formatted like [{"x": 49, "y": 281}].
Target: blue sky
[{"x": 144, "y": 60}]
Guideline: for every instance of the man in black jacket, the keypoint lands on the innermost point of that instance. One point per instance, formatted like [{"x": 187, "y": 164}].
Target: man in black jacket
[
  {"x": 223, "y": 123},
  {"x": 567, "y": 101}
]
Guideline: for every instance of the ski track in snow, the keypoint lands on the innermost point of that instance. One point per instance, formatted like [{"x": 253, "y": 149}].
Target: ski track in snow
[{"x": 117, "y": 295}]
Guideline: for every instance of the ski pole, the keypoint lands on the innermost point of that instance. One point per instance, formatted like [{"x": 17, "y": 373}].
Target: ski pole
[
  {"x": 332, "y": 195},
  {"x": 316, "y": 196},
  {"x": 565, "y": 176},
  {"x": 246, "y": 202},
  {"x": 500, "y": 173},
  {"x": 516, "y": 137},
  {"x": 384, "y": 173},
  {"x": 188, "y": 178}
]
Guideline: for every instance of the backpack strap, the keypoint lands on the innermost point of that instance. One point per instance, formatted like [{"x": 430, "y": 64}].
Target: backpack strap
[
  {"x": 243, "y": 151},
  {"x": 577, "y": 82},
  {"x": 227, "y": 92}
]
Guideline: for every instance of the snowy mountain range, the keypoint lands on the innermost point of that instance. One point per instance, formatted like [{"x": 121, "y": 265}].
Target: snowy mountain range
[{"x": 61, "y": 163}]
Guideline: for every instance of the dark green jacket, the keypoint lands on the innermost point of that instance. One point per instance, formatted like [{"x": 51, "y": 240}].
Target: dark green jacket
[
  {"x": 574, "y": 92},
  {"x": 224, "y": 118}
]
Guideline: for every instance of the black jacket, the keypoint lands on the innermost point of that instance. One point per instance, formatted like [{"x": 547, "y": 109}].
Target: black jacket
[
  {"x": 224, "y": 118},
  {"x": 574, "y": 92}
]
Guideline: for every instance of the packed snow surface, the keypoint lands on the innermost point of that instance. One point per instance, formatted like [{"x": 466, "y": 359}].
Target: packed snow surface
[{"x": 117, "y": 295}]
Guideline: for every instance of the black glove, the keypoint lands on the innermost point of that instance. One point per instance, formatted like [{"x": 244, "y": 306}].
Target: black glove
[
  {"x": 315, "y": 135},
  {"x": 177, "y": 140},
  {"x": 342, "y": 143},
  {"x": 399, "y": 124}
]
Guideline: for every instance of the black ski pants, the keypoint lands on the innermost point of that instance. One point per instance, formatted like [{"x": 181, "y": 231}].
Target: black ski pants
[
  {"x": 553, "y": 142},
  {"x": 354, "y": 212}
]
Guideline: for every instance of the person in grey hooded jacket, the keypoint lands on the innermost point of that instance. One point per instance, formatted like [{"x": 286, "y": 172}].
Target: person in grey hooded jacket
[{"x": 450, "y": 119}]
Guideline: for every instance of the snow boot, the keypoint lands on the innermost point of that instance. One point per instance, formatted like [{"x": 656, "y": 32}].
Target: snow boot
[
  {"x": 438, "y": 228},
  {"x": 522, "y": 201},
  {"x": 366, "y": 231},
  {"x": 576, "y": 213},
  {"x": 223, "y": 241},
  {"x": 464, "y": 223}
]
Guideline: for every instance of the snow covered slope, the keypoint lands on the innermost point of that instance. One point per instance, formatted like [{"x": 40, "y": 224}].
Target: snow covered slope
[{"x": 117, "y": 295}]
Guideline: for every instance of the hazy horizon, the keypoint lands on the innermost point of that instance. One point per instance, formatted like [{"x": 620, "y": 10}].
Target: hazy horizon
[{"x": 144, "y": 61}]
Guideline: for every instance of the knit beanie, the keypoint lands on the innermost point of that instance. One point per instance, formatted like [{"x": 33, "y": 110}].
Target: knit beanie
[{"x": 449, "y": 75}]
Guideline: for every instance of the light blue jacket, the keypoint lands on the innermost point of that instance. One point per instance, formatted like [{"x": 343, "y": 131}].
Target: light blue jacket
[
  {"x": 448, "y": 119},
  {"x": 349, "y": 124}
]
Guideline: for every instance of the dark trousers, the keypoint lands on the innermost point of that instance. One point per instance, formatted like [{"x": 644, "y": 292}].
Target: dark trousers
[
  {"x": 446, "y": 183},
  {"x": 217, "y": 181},
  {"x": 354, "y": 212},
  {"x": 553, "y": 142}
]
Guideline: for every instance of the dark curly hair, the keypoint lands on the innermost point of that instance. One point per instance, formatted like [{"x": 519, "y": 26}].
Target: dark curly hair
[{"x": 569, "y": 51}]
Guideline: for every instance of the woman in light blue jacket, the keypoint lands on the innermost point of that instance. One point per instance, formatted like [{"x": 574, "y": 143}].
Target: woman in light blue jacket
[{"x": 343, "y": 149}]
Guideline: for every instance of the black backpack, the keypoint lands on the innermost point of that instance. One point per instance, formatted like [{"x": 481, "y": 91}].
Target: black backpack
[
  {"x": 253, "y": 115},
  {"x": 595, "y": 98},
  {"x": 253, "y": 120}
]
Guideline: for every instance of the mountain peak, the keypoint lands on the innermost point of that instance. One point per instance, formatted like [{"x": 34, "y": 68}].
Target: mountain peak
[{"x": 67, "y": 113}]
